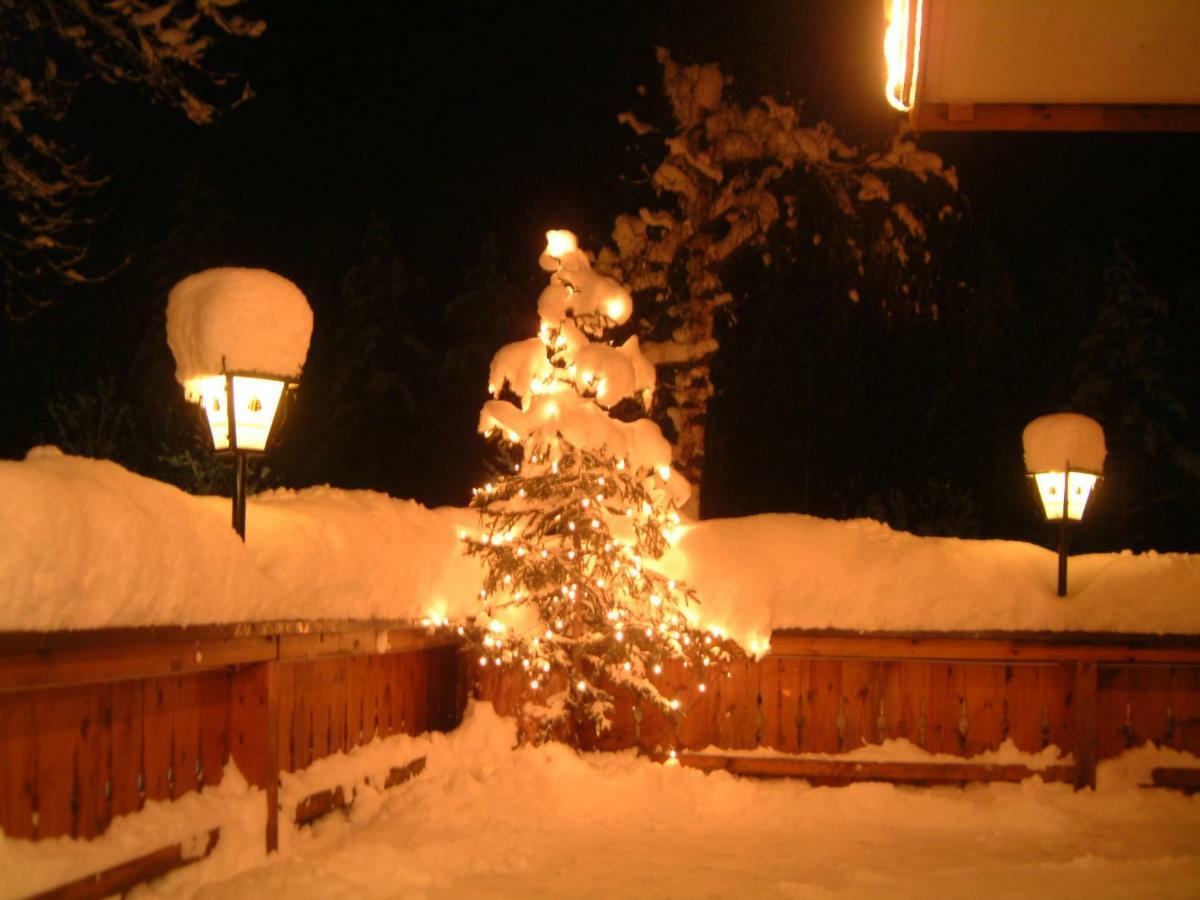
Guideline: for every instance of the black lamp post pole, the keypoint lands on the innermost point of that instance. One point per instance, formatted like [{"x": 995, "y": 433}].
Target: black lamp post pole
[
  {"x": 239, "y": 481},
  {"x": 1063, "y": 536}
]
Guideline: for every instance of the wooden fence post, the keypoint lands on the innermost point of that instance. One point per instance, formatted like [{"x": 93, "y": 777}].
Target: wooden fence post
[
  {"x": 1083, "y": 727},
  {"x": 272, "y": 677}
]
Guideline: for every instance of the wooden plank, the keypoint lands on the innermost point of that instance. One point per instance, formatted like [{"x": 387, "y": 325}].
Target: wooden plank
[
  {"x": 736, "y": 705},
  {"x": 87, "y": 664},
  {"x": 861, "y": 687},
  {"x": 1184, "y": 700},
  {"x": 125, "y": 746},
  {"x": 1030, "y": 648},
  {"x": 984, "y": 695},
  {"x": 58, "y": 715},
  {"x": 319, "y": 804},
  {"x": 1113, "y": 698},
  {"x": 248, "y": 723},
  {"x": 122, "y": 878},
  {"x": 273, "y": 681},
  {"x": 322, "y": 696},
  {"x": 324, "y": 802},
  {"x": 185, "y": 763},
  {"x": 696, "y": 727},
  {"x": 1148, "y": 719},
  {"x": 339, "y": 740},
  {"x": 1084, "y": 743},
  {"x": 214, "y": 707},
  {"x": 399, "y": 774},
  {"x": 18, "y": 765},
  {"x": 945, "y": 714},
  {"x": 355, "y": 673},
  {"x": 301, "y": 740},
  {"x": 1056, "y": 117},
  {"x": 822, "y": 707},
  {"x": 1024, "y": 707},
  {"x": 913, "y": 679},
  {"x": 656, "y": 730},
  {"x": 371, "y": 686},
  {"x": 92, "y": 800},
  {"x": 285, "y": 685},
  {"x": 318, "y": 644},
  {"x": 1186, "y": 780},
  {"x": 158, "y": 732},
  {"x": 828, "y": 772},
  {"x": 770, "y": 730},
  {"x": 1057, "y": 684}
]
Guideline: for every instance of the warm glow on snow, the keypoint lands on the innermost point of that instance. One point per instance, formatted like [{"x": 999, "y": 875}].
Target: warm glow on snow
[
  {"x": 255, "y": 401},
  {"x": 1052, "y": 486},
  {"x": 902, "y": 50},
  {"x": 616, "y": 309},
  {"x": 560, "y": 243}
]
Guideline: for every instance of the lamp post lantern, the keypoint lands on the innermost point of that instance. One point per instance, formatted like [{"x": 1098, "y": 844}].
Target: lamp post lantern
[
  {"x": 1064, "y": 455},
  {"x": 239, "y": 337}
]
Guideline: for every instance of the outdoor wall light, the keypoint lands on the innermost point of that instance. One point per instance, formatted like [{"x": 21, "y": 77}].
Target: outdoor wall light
[
  {"x": 240, "y": 338},
  {"x": 255, "y": 400},
  {"x": 1064, "y": 455}
]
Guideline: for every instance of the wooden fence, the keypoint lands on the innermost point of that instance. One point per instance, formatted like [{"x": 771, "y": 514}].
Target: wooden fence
[
  {"x": 1091, "y": 695},
  {"x": 94, "y": 724}
]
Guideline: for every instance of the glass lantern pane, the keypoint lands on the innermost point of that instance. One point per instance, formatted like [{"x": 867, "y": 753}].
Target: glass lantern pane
[{"x": 255, "y": 401}]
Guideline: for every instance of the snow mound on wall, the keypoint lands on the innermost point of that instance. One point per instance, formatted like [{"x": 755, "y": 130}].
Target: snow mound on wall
[
  {"x": 87, "y": 544},
  {"x": 795, "y": 571},
  {"x": 1064, "y": 439},
  {"x": 237, "y": 320}
]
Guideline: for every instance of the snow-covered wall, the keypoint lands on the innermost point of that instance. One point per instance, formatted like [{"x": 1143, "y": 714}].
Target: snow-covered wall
[{"x": 86, "y": 544}]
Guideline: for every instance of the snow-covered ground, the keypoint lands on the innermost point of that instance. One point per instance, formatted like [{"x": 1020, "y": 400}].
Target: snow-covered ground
[
  {"x": 484, "y": 820},
  {"x": 87, "y": 544}
]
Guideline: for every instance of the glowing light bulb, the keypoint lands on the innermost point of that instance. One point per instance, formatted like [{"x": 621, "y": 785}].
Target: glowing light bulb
[
  {"x": 533, "y": 683},
  {"x": 657, "y": 669},
  {"x": 560, "y": 243},
  {"x": 581, "y": 685}
]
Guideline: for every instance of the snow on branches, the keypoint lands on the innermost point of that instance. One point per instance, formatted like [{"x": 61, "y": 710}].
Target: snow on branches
[
  {"x": 50, "y": 48},
  {"x": 733, "y": 181},
  {"x": 571, "y": 597}
]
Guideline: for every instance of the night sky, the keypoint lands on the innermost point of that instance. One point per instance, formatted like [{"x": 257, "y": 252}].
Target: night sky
[{"x": 474, "y": 121}]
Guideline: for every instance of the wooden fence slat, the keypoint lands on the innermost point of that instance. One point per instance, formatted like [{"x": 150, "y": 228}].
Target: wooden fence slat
[
  {"x": 338, "y": 711},
  {"x": 248, "y": 725},
  {"x": 92, "y": 761},
  {"x": 843, "y": 772},
  {"x": 913, "y": 680},
  {"x": 285, "y": 684},
  {"x": 1057, "y": 685},
  {"x": 122, "y": 878},
  {"x": 1184, "y": 700},
  {"x": 126, "y": 766},
  {"x": 158, "y": 705},
  {"x": 859, "y": 703},
  {"x": 822, "y": 707},
  {"x": 18, "y": 765},
  {"x": 186, "y": 740},
  {"x": 213, "y": 713},
  {"x": 57, "y": 718},
  {"x": 1023, "y": 707},
  {"x": 945, "y": 722},
  {"x": 1083, "y": 722},
  {"x": 695, "y": 729},
  {"x": 736, "y": 703},
  {"x": 984, "y": 687},
  {"x": 1113, "y": 696},
  {"x": 354, "y": 675}
]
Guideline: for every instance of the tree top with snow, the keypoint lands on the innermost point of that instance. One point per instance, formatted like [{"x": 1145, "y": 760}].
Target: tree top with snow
[
  {"x": 237, "y": 320},
  {"x": 1064, "y": 440}
]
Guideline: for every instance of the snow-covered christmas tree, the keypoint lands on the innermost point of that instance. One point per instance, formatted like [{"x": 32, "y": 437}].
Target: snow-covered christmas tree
[{"x": 571, "y": 597}]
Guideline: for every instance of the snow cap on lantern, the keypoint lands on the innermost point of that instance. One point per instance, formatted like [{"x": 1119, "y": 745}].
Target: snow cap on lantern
[
  {"x": 250, "y": 324},
  {"x": 1064, "y": 453}
]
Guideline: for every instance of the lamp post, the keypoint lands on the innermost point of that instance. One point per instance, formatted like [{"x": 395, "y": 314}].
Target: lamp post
[
  {"x": 239, "y": 337},
  {"x": 254, "y": 400},
  {"x": 1064, "y": 455}
]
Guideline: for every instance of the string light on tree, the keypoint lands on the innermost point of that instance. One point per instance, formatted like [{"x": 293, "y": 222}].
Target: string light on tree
[{"x": 569, "y": 536}]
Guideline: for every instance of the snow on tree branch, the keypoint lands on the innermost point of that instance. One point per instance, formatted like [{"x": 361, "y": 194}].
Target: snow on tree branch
[{"x": 50, "y": 48}]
